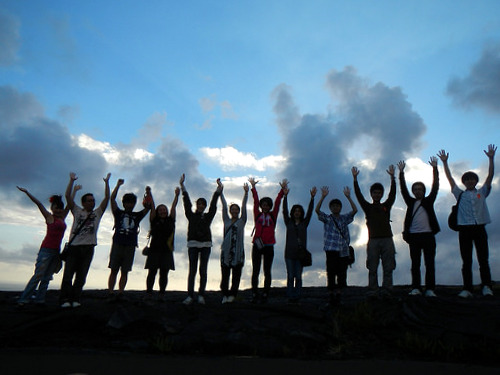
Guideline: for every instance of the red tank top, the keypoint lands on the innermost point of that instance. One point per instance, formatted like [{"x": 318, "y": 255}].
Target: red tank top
[{"x": 55, "y": 234}]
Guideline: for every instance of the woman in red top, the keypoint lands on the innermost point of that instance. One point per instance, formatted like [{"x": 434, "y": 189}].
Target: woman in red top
[{"x": 48, "y": 256}]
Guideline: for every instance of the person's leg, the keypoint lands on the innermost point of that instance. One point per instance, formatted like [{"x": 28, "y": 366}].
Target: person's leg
[
  {"x": 41, "y": 265},
  {"x": 330, "y": 270},
  {"x": 416, "y": 260},
  {"x": 204, "y": 257},
  {"x": 163, "y": 279},
  {"x": 126, "y": 265},
  {"x": 150, "y": 279},
  {"x": 465, "y": 243},
  {"x": 112, "y": 279},
  {"x": 47, "y": 276},
  {"x": 268, "y": 264},
  {"x": 256, "y": 262},
  {"x": 372, "y": 261},
  {"x": 86, "y": 255},
  {"x": 429, "y": 247},
  {"x": 298, "y": 278},
  {"x": 224, "y": 283},
  {"x": 70, "y": 266},
  {"x": 289, "y": 278},
  {"x": 235, "y": 282},
  {"x": 193, "y": 265},
  {"x": 123, "y": 280},
  {"x": 482, "y": 251},
  {"x": 388, "y": 254}
]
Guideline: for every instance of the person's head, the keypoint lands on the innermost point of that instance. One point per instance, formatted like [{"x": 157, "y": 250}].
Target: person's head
[
  {"x": 56, "y": 205},
  {"x": 418, "y": 190},
  {"x": 470, "y": 180},
  {"x": 297, "y": 212},
  {"x": 201, "y": 205},
  {"x": 266, "y": 204},
  {"x": 161, "y": 211},
  {"x": 335, "y": 206},
  {"x": 129, "y": 200},
  {"x": 234, "y": 210},
  {"x": 88, "y": 202},
  {"x": 376, "y": 192}
]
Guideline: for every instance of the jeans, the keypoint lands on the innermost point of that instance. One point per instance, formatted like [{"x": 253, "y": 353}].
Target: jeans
[
  {"x": 235, "y": 282},
  {"x": 46, "y": 262},
  {"x": 268, "y": 253},
  {"x": 380, "y": 249},
  {"x": 467, "y": 236},
  {"x": 294, "y": 278},
  {"x": 204, "y": 254},
  {"x": 77, "y": 265},
  {"x": 336, "y": 270},
  {"x": 426, "y": 243}
]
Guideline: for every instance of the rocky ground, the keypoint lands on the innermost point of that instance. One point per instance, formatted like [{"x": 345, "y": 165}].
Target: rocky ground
[{"x": 392, "y": 327}]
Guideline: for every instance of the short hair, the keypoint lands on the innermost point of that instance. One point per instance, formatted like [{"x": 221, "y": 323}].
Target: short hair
[
  {"x": 202, "y": 201},
  {"x": 418, "y": 183},
  {"x": 335, "y": 201},
  {"x": 377, "y": 186},
  {"x": 470, "y": 176},
  {"x": 56, "y": 201},
  {"x": 267, "y": 200},
  {"x": 129, "y": 198},
  {"x": 84, "y": 197}
]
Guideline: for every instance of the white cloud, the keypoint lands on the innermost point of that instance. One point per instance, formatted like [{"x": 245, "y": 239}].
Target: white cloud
[{"x": 230, "y": 158}]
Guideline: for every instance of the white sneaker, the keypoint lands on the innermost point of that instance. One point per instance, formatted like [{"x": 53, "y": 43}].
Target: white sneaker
[
  {"x": 224, "y": 300},
  {"x": 65, "y": 305},
  {"x": 76, "y": 304},
  {"x": 201, "y": 300},
  {"x": 188, "y": 300},
  {"x": 465, "y": 294},
  {"x": 415, "y": 292},
  {"x": 230, "y": 299},
  {"x": 430, "y": 293},
  {"x": 487, "y": 291}
]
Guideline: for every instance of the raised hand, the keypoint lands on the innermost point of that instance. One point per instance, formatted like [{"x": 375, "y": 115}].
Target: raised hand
[
  {"x": 182, "y": 179},
  {"x": 106, "y": 179},
  {"x": 72, "y": 176},
  {"x": 284, "y": 183},
  {"x": 120, "y": 182},
  {"x": 347, "y": 191},
  {"x": 391, "y": 170},
  {"x": 443, "y": 155},
  {"x": 355, "y": 172},
  {"x": 401, "y": 165},
  {"x": 220, "y": 187},
  {"x": 245, "y": 187},
  {"x": 313, "y": 191},
  {"x": 22, "y": 189},
  {"x": 253, "y": 182},
  {"x": 491, "y": 151},
  {"x": 324, "y": 191},
  {"x": 177, "y": 191},
  {"x": 433, "y": 161}
]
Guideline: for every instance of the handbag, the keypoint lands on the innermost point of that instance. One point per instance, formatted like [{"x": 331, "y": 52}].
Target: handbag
[
  {"x": 352, "y": 256},
  {"x": 145, "y": 251},
  {"x": 305, "y": 256},
  {"x": 65, "y": 252},
  {"x": 453, "y": 217}
]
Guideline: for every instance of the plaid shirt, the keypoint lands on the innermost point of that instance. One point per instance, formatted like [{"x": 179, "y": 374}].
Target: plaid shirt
[{"x": 333, "y": 239}]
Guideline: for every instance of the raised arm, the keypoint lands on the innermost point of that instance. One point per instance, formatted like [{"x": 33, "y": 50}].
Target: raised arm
[
  {"x": 347, "y": 193},
  {"x": 324, "y": 193},
  {"x": 286, "y": 216},
  {"x": 119, "y": 183},
  {"x": 244, "y": 202},
  {"x": 490, "y": 153},
  {"x": 402, "y": 182},
  {"x": 174, "y": 203},
  {"x": 433, "y": 162},
  {"x": 392, "y": 192},
  {"x": 255, "y": 196},
  {"x": 362, "y": 201},
  {"x": 225, "y": 211},
  {"x": 443, "y": 155},
  {"x": 311, "y": 205},
  {"x": 212, "y": 210},
  {"x": 105, "y": 201},
  {"x": 46, "y": 214},
  {"x": 68, "y": 194}
]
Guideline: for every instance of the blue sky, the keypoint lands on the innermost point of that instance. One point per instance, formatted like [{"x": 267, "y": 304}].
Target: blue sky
[{"x": 232, "y": 89}]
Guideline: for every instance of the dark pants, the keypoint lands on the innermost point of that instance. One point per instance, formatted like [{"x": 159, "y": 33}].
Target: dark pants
[
  {"x": 467, "y": 236},
  {"x": 235, "y": 282},
  {"x": 204, "y": 254},
  {"x": 163, "y": 280},
  {"x": 77, "y": 265},
  {"x": 336, "y": 270},
  {"x": 267, "y": 252},
  {"x": 426, "y": 243}
]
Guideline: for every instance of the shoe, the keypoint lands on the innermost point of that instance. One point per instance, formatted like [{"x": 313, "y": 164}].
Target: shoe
[
  {"x": 201, "y": 300},
  {"x": 65, "y": 305},
  {"x": 224, "y": 300},
  {"x": 230, "y": 299},
  {"x": 465, "y": 294},
  {"x": 188, "y": 300},
  {"x": 76, "y": 304},
  {"x": 415, "y": 292},
  {"x": 487, "y": 292},
  {"x": 430, "y": 293}
]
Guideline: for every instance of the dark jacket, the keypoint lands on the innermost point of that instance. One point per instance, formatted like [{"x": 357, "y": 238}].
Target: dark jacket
[
  {"x": 427, "y": 202},
  {"x": 199, "y": 223}
]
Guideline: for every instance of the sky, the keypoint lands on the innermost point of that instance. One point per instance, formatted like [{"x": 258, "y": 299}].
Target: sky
[{"x": 235, "y": 89}]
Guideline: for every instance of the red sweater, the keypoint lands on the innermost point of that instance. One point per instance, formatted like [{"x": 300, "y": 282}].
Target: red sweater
[{"x": 265, "y": 223}]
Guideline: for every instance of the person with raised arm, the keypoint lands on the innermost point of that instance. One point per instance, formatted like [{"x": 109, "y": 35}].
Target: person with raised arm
[
  {"x": 161, "y": 248},
  {"x": 378, "y": 221},
  {"x": 83, "y": 238},
  {"x": 47, "y": 261},
  {"x": 232, "y": 255},
  {"x": 265, "y": 218},
  {"x": 296, "y": 222},
  {"x": 336, "y": 241},
  {"x": 199, "y": 238},
  {"x": 472, "y": 218},
  {"x": 420, "y": 227},
  {"x": 121, "y": 256}
]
